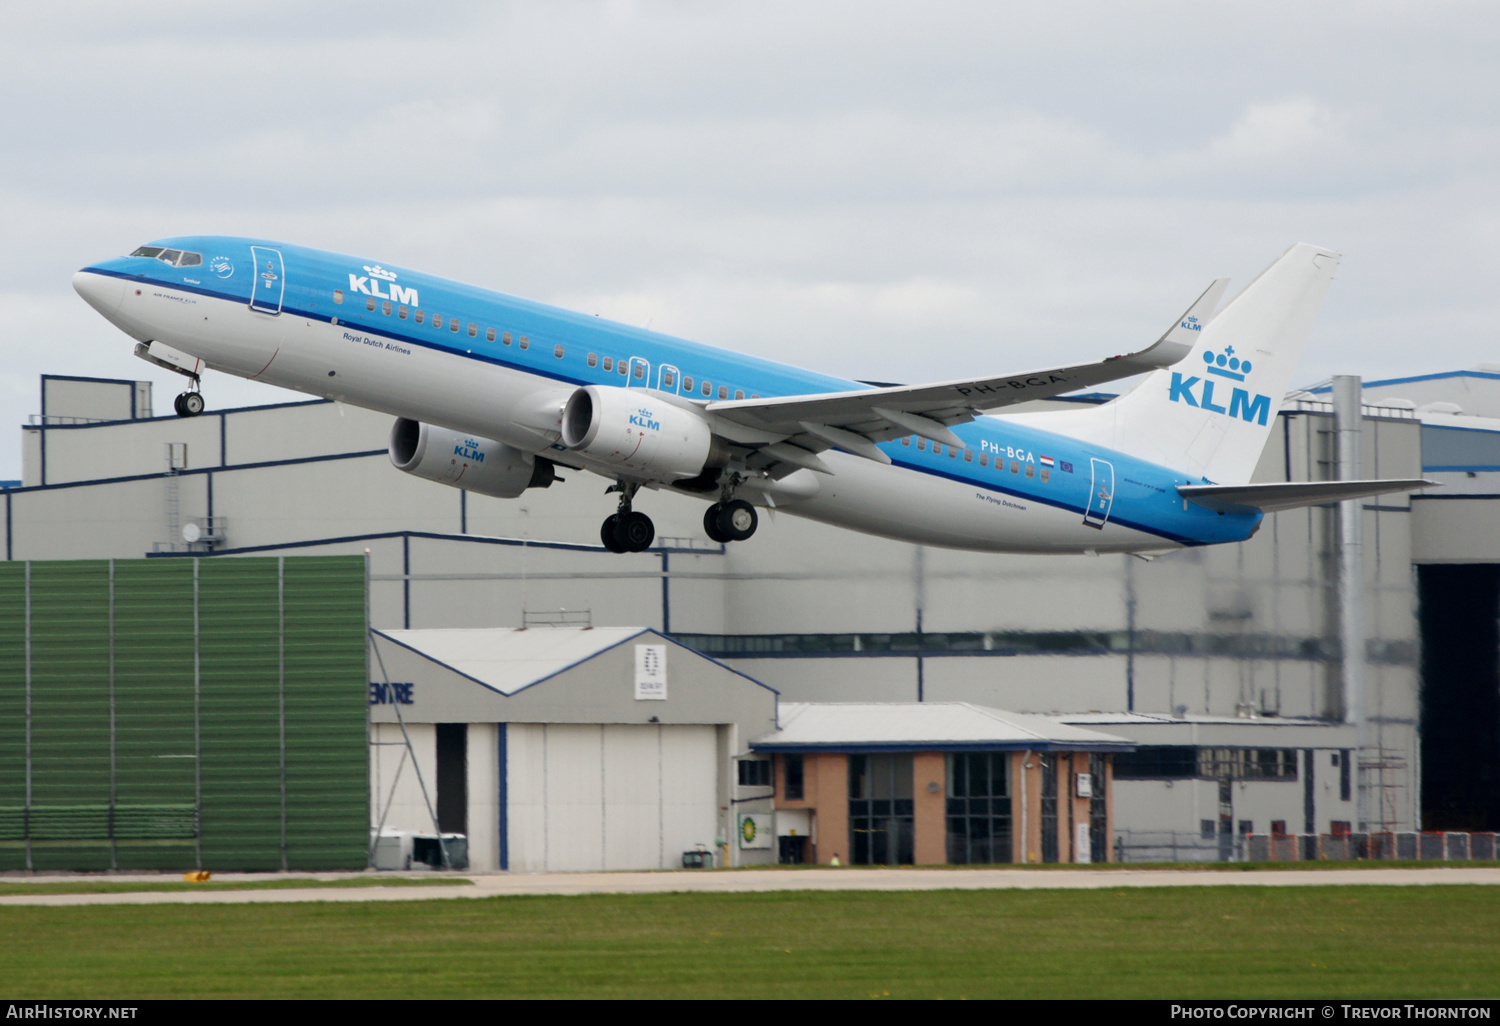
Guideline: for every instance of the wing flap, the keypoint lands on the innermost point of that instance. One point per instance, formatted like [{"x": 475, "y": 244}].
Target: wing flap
[{"x": 1270, "y": 498}]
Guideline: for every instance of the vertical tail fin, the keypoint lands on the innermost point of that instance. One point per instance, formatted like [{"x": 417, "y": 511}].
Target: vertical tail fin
[{"x": 1209, "y": 415}]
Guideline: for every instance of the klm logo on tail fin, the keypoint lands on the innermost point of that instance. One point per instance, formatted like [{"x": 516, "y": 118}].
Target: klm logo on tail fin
[{"x": 1221, "y": 365}]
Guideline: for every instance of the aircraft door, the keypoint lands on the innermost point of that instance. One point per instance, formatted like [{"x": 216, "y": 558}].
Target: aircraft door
[
  {"x": 640, "y": 373},
  {"x": 1101, "y": 493},
  {"x": 667, "y": 378},
  {"x": 270, "y": 280}
]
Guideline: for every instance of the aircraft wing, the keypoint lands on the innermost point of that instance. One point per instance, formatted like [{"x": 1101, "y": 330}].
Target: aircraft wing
[
  {"x": 796, "y": 428},
  {"x": 1269, "y": 498}
]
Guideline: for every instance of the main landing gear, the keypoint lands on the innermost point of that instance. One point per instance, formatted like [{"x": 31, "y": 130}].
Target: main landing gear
[
  {"x": 627, "y": 530},
  {"x": 733, "y": 520}
]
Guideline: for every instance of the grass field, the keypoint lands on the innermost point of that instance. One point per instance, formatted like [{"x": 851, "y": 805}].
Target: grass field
[
  {"x": 8, "y": 888},
  {"x": 1185, "y": 942}
]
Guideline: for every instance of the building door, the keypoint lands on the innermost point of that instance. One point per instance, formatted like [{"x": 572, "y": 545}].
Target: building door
[
  {"x": 270, "y": 280},
  {"x": 792, "y": 851},
  {"x": 881, "y": 815},
  {"x": 1098, "y": 821},
  {"x": 1049, "y": 807},
  {"x": 1226, "y": 819},
  {"x": 978, "y": 807},
  {"x": 1101, "y": 493}
]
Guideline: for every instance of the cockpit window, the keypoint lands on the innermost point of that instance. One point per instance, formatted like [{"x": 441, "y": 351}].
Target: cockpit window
[{"x": 170, "y": 257}]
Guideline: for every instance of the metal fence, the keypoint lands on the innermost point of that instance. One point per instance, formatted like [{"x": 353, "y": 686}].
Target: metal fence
[
  {"x": 1164, "y": 846},
  {"x": 183, "y": 713}
]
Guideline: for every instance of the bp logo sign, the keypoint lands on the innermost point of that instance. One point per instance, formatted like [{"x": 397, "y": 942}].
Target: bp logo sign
[{"x": 756, "y": 830}]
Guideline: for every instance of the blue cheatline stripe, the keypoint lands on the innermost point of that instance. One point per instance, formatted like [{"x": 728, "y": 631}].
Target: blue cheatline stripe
[
  {"x": 503, "y": 796},
  {"x": 1035, "y": 745},
  {"x": 1466, "y": 468}
]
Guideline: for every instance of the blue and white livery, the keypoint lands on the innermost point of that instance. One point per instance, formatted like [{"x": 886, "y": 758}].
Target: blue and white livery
[{"x": 491, "y": 393}]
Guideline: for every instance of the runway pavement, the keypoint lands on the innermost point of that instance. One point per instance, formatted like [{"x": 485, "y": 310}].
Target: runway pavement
[{"x": 749, "y": 880}]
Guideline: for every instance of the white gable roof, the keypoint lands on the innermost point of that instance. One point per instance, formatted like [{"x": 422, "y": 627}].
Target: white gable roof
[{"x": 508, "y": 659}]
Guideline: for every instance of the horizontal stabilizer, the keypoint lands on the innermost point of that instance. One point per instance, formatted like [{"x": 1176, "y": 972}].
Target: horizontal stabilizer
[{"x": 1269, "y": 498}]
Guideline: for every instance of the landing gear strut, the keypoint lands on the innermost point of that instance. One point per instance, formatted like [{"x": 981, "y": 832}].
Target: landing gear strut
[{"x": 627, "y": 530}]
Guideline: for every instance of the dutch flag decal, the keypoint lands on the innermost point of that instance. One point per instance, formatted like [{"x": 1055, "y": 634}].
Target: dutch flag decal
[{"x": 1045, "y": 461}]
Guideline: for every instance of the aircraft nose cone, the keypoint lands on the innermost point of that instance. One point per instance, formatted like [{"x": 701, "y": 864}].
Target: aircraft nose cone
[{"x": 100, "y": 291}]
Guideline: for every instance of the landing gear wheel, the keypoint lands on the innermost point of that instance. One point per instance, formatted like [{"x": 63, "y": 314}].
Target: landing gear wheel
[
  {"x": 711, "y": 523},
  {"x": 634, "y": 532},
  {"x": 607, "y": 533},
  {"x": 188, "y": 404},
  {"x": 737, "y": 520}
]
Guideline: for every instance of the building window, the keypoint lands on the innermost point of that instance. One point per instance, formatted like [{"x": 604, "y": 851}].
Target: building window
[
  {"x": 338, "y": 295},
  {"x": 1049, "y": 769},
  {"x": 1278, "y": 827},
  {"x": 755, "y": 772},
  {"x": 593, "y": 359},
  {"x": 979, "y": 807},
  {"x": 881, "y": 824},
  {"x": 791, "y": 777},
  {"x": 1207, "y": 829},
  {"x": 1098, "y": 809},
  {"x": 489, "y": 334}
]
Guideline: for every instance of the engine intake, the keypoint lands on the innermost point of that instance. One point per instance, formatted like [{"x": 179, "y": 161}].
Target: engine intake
[
  {"x": 634, "y": 430},
  {"x": 463, "y": 461}
]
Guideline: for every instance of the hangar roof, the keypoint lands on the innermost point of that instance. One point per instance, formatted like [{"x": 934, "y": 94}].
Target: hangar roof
[
  {"x": 507, "y": 659},
  {"x": 925, "y": 726}
]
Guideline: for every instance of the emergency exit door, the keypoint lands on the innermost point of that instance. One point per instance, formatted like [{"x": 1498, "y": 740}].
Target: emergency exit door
[{"x": 1101, "y": 493}]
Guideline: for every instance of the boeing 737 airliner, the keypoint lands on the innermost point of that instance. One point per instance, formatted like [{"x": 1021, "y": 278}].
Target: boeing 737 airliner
[{"x": 491, "y": 393}]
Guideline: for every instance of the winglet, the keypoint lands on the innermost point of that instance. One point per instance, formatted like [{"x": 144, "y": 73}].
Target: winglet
[{"x": 1180, "y": 338}]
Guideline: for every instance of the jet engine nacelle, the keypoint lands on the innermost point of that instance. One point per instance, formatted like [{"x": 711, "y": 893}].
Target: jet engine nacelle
[
  {"x": 634, "y": 430},
  {"x": 463, "y": 461}
]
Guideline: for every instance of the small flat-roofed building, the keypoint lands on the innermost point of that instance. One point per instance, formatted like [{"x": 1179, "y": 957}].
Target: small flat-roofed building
[
  {"x": 928, "y": 783},
  {"x": 562, "y": 748}
]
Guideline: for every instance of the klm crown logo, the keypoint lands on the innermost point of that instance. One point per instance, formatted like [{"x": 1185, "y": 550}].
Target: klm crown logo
[
  {"x": 1221, "y": 365},
  {"x": 1192, "y": 324},
  {"x": 380, "y": 272}
]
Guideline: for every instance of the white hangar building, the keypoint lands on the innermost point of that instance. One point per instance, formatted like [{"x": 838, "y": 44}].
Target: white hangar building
[{"x": 1251, "y": 633}]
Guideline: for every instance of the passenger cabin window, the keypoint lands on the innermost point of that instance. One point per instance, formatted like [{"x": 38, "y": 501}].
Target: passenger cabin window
[
  {"x": 453, "y": 324},
  {"x": 723, "y": 392},
  {"x": 609, "y": 363},
  {"x": 525, "y": 342},
  {"x": 402, "y": 311},
  {"x": 338, "y": 296},
  {"x": 370, "y": 304},
  {"x": 739, "y": 393},
  {"x": 505, "y": 338},
  {"x": 620, "y": 366},
  {"x": 968, "y": 455},
  {"x": 1015, "y": 467},
  {"x": 473, "y": 331},
  {"x": 385, "y": 308},
  {"x": 906, "y": 441},
  {"x": 437, "y": 320},
  {"x": 668, "y": 379},
  {"x": 489, "y": 334},
  {"x": 1030, "y": 470},
  {"x": 984, "y": 459},
  {"x": 557, "y": 351},
  {"x": 1046, "y": 475},
  {"x": 708, "y": 389},
  {"x": 593, "y": 359},
  {"x": 687, "y": 383},
  {"x": 921, "y": 444},
  {"x": 952, "y": 453},
  {"x": 640, "y": 368},
  {"x": 421, "y": 316}
]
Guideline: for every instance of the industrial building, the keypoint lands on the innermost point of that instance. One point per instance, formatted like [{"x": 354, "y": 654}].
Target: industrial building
[{"x": 1224, "y": 668}]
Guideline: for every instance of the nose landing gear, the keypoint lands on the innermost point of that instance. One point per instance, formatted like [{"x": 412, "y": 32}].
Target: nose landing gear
[
  {"x": 627, "y": 530},
  {"x": 188, "y": 404}
]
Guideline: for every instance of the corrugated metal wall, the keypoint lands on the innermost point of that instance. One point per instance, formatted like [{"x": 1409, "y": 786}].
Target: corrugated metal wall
[{"x": 183, "y": 713}]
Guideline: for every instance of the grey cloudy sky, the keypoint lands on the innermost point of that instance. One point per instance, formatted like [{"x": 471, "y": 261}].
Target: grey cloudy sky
[{"x": 904, "y": 192}]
